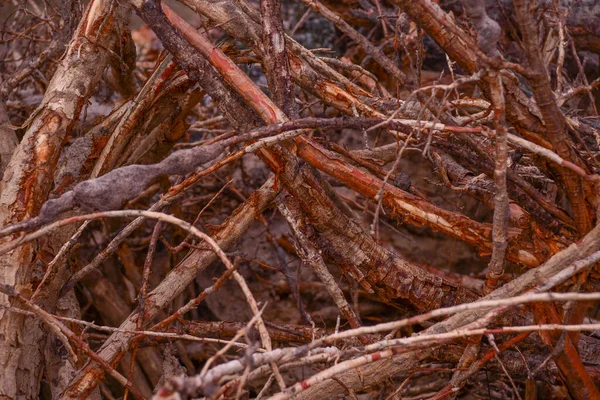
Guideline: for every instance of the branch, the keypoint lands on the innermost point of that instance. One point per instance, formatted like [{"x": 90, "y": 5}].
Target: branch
[{"x": 553, "y": 117}]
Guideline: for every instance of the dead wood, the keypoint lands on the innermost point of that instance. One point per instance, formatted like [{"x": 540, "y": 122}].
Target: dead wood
[{"x": 406, "y": 193}]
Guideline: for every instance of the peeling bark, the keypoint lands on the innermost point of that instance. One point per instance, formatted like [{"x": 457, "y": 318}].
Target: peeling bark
[{"x": 28, "y": 181}]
